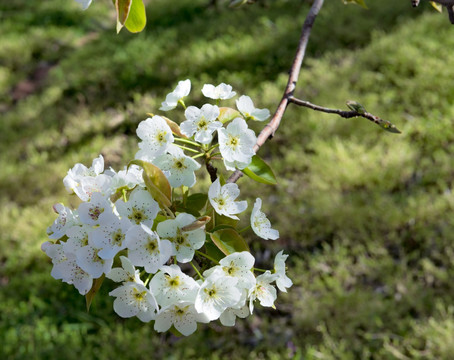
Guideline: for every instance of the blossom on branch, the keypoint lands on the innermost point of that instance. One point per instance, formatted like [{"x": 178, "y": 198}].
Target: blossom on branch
[
  {"x": 220, "y": 92},
  {"x": 201, "y": 122},
  {"x": 260, "y": 224},
  {"x": 183, "y": 88},
  {"x": 222, "y": 198}
]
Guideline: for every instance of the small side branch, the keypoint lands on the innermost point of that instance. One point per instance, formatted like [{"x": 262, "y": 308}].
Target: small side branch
[
  {"x": 269, "y": 130},
  {"x": 347, "y": 114}
]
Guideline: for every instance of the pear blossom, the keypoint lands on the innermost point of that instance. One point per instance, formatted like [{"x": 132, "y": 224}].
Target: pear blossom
[
  {"x": 66, "y": 269},
  {"x": 201, "y": 122},
  {"x": 156, "y": 137},
  {"x": 260, "y": 224},
  {"x": 146, "y": 249},
  {"x": 97, "y": 209},
  {"x": 239, "y": 266},
  {"x": 183, "y": 88},
  {"x": 182, "y": 315},
  {"x": 171, "y": 285},
  {"x": 88, "y": 259},
  {"x": 77, "y": 238},
  {"x": 222, "y": 91},
  {"x": 282, "y": 280},
  {"x": 127, "y": 272},
  {"x": 93, "y": 184},
  {"x": 222, "y": 198},
  {"x": 80, "y": 175},
  {"x": 109, "y": 237},
  {"x": 177, "y": 167},
  {"x": 236, "y": 143},
  {"x": 247, "y": 109},
  {"x": 140, "y": 208},
  {"x": 126, "y": 179},
  {"x": 229, "y": 316},
  {"x": 263, "y": 290},
  {"x": 85, "y": 3},
  {"x": 185, "y": 242},
  {"x": 65, "y": 220},
  {"x": 216, "y": 294},
  {"x": 133, "y": 299}
]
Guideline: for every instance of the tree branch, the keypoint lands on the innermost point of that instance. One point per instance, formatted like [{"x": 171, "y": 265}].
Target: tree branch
[
  {"x": 347, "y": 114},
  {"x": 269, "y": 130}
]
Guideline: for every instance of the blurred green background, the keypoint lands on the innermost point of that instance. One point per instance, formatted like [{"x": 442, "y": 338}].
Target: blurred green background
[{"x": 366, "y": 216}]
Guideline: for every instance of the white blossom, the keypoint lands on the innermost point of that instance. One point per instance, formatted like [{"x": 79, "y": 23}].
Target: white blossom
[
  {"x": 140, "y": 208},
  {"x": 263, "y": 290},
  {"x": 146, "y": 249},
  {"x": 216, "y": 294},
  {"x": 247, "y": 109},
  {"x": 260, "y": 224},
  {"x": 109, "y": 237},
  {"x": 239, "y": 266},
  {"x": 182, "y": 316},
  {"x": 127, "y": 272},
  {"x": 201, "y": 122},
  {"x": 185, "y": 242},
  {"x": 126, "y": 179},
  {"x": 170, "y": 285},
  {"x": 85, "y": 3},
  {"x": 156, "y": 137},
  {"x": 282, "y": 281},
  {"x": 222, "y": 91},
  {"x": 65, "y": 220},
  {"x": 236, "y": 143},
  {"x": 95, "y": 210},
  {"x": 177, "y": 167},
  {"x": 222, "y": 198},
  {"x": 133, "y": 299},
  {"x": 228, "y": 317},
  {"x": 88, "y": 259},
  {"x": 183, "y": 88},
  {"x": 66, "y": 269}
]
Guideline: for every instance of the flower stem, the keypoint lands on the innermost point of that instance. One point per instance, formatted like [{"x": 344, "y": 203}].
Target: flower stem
[
  {"x": 187, "y": 148},
  {"x": 257, "y": 269},
  {"x": 148, "y": 279},
  {"x": 168, "y": 211},
  {"x": 244, "y": 229},
  {"x": 207, "y": 256},
  {"x": 188, "y": 142},
  {"x": 181, "y": 102},
  {"x": 198, "y": 155},
  {"x": 197, "y": 271}
]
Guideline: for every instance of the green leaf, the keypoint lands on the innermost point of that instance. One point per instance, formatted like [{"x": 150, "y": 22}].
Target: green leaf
[
  {"x": 155, "y": 180},
  {"x": 196, "y": 201},
  {"x": 137, "y": 18},
  {"x": 213, "y": 251},
  {"x": 437, "y": 6},
  {"x": 386, "y": 125},
  {"x": 227, "y": 114},
  {"x": 229, "y": 241},
  {"x": 358, "y": 2},
  {"x": 356, "y": 106},
  {"x": 123, "y": 8},
  {"x": 259, "y": 171},
  {"x": 224, "y": 220},
  {"x": 94, "y": 289},
  {"x": 222, "y": 227}
]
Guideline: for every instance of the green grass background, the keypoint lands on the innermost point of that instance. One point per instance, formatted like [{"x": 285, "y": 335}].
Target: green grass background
[{"x": 366, "y": 216}]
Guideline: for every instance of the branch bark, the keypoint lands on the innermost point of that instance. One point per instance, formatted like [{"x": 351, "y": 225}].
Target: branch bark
[{"x": 269, "y": 130}]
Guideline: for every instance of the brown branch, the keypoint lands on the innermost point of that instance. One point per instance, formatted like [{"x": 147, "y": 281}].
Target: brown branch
[
  {"x": 269, "y": 130},
  {"x": 212, "y": 171},
  {"x": 347, "y": 114}
]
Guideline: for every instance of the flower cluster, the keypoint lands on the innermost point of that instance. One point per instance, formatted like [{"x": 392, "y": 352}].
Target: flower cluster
[{"x": 176, "y": 255}]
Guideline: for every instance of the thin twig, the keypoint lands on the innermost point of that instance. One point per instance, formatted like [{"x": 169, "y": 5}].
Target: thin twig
[{"x": 269, "y": 130}]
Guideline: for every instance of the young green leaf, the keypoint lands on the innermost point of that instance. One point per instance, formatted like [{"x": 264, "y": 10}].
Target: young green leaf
[
  {"x": 437, "y": 6},
  {"x": 196, "y": 201},
  {"x": 155, "y": 180},
  {"x": 227, "y": 114},
  {"x": 137, "y": 18},
  {"x": 229, "y": 241},
  {"x": 358, "y": 2},
  {"x": 259, "y": 171},
  {"x": 94, "y": 289}
]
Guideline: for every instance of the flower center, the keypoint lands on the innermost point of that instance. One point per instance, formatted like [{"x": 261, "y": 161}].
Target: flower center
[
  {"x": 202, "y": 124},
  {"x": 151, "y": 245},
  {"x": 94, "y": 212},
  {"x": 137, "y": 215},
  {"x": 118, "y": 237}
]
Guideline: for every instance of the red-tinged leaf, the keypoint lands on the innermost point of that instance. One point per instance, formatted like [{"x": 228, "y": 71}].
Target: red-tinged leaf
[
  {"x": 123, "y": 8},
  {"x": 155, "y": 180},
  {"x": 199, "y": 223},
  {"x": 94, "y": 289},
  {"x": 229, "y": 241}
]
